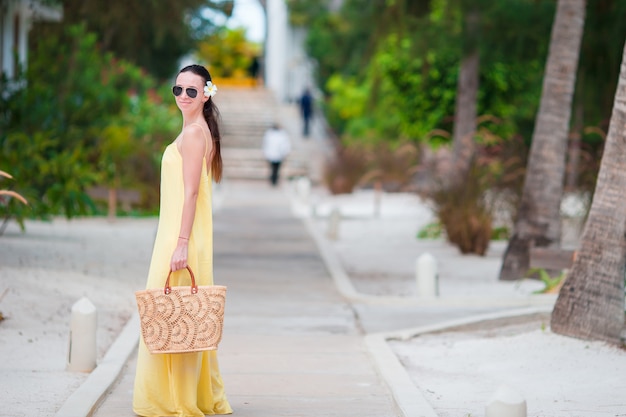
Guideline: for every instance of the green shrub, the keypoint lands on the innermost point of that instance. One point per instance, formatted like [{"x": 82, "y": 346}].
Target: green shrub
[
  {"x": 431, "y": 231},
  {"x": 83, "y": 118}
]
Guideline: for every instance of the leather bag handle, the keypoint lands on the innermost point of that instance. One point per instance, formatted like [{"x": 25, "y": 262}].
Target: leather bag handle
[{"x": 194, "y": 287}]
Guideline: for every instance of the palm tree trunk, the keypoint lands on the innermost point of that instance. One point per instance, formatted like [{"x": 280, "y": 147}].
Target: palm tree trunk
[
  {"x": 573, "y": 160},
  {"x": 591, "y": 302},
  {"x": 465, "y": 114},
  {"x": 466, "y": 98},
  {"x": 538, "y": 222}
]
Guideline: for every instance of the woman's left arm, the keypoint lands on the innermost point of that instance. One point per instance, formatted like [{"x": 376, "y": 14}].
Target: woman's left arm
[{"x": 192, "y": 151}]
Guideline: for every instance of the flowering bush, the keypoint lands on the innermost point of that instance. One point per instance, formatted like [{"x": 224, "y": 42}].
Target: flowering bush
[{"x": 85, "y": 118}]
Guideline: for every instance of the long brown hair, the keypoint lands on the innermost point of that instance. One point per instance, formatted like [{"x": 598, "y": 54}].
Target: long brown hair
[{"x": 212, "y": 116}]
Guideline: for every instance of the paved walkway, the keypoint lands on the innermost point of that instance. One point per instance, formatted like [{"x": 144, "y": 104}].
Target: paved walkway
[{"x": 292, "y": 345}]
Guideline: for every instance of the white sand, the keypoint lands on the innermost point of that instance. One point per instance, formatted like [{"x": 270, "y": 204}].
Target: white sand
[
  {"x": 45, "y": 271},
  {"x": 557, "y": 376}
]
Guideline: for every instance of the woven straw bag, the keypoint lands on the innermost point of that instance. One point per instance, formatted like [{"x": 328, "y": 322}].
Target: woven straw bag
[{"x": 181, "y": 319}]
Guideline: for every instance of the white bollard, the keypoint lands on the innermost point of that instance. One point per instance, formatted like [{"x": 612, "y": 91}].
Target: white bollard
[
  {"x": 82, "y": 352},
  {"x": 303, "y": 187},
  {"x": 333, "y": 224},
  {"x": 506, "y": 402},
  {"x": 426, "y": 276}
]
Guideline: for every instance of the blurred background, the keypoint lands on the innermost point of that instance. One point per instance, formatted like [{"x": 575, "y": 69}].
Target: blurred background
[{"x": 86, "y": 107}]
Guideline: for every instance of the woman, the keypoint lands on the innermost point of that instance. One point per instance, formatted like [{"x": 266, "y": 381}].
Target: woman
[{"x": 185, "y": 384}]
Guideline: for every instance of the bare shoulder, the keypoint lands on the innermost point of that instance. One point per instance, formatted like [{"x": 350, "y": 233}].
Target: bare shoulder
[
  {"x": 198, "y": 131},
  {"x": 194, "y": 131}
]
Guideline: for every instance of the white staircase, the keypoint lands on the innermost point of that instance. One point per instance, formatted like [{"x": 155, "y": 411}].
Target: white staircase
[{"x": 246, "y": 114}]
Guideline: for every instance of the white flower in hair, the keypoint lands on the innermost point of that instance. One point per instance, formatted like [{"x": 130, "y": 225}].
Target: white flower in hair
[{"x": 210, "y": 89}]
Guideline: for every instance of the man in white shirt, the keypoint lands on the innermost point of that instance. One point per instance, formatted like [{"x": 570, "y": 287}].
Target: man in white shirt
[{"x": 276, "y": 147}]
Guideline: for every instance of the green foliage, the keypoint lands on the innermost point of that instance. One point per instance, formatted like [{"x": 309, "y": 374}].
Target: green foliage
[
  {"x": 227, "y": 53},
  {"x": 343, "y": 42},
  {"x": 430, "y": 78},
  {"x": 7, "y": 198},
  {"x": 552, "y": 284},
  {"x": 500, "y": 233},
  {"x": 83, "y": 120},
  {"x": 151, "y": 34},
  {"x": 391, "y": 70},
  {"x": 436, "y": 230},
  {"x": 303, "y": 13},
  {"x": 600, "y": 60},
  {"x": 431, "y": 231}
]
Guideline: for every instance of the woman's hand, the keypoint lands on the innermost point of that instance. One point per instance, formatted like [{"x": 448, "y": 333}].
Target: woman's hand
[{"x": 179, "y": 257}]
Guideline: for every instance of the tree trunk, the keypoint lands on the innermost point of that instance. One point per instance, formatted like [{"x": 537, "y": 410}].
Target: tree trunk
[
  {"x": 573, "y": 160},
  {"x": 466, "y": 97},
  {"x": 465, "y": 114},
  {"x": 591, "y": 303},
  {"x": 538, "y": 221}
]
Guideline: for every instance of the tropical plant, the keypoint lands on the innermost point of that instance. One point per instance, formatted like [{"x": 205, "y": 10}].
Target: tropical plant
[
  {"x": 390, "y": 166},
  {"x": 85, "y": 119},
  {"x": 552, "y": 283},
  {"x": 343, "y": 172},
  {"x": 471, "y": 212},
  {"x": 153, "y": 35},
  {"x": 227, "y": 53},
  {"x": 5, "y": 195}
]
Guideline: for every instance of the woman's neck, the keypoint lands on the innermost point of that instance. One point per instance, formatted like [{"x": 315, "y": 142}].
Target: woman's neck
[{"x": 191, "y": 118}]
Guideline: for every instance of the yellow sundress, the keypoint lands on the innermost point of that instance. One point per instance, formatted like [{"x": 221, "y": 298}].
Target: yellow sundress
[{"x": 181, "y": 384}]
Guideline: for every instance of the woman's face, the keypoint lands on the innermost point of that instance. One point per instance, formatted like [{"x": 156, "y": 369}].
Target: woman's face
[{"x": 187, "y": 85}]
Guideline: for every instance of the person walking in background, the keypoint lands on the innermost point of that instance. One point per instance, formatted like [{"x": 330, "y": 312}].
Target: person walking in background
[
  {"x": 276, "y": 147},
  {"x": 185, "y": 384},
  {"x": 253, "y": 70},
  {"x": 306, "y": 110}
]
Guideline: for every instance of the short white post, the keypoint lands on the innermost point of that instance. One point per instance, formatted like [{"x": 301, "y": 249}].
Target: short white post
[
  {"x": 303, "y": 187},
  {"x": 333, "y": 223},
  {"x": 506, "y": 402},
  {"x": 426, "y": 276},
  {"x": 377, "y": 198},
  {"x": 82, "y": 351}
]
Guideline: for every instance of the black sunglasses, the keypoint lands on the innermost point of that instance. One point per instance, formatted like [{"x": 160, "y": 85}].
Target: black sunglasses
[{"x": 191, "y": 92}]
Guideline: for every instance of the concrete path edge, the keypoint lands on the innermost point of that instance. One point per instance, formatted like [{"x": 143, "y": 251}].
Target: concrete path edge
[{"x": 84, "y": 401}]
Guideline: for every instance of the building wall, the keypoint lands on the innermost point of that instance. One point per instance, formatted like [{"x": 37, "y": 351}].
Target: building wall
[
  {"x": 16, "y": 17},
  {"x": 288, "y": 70}
]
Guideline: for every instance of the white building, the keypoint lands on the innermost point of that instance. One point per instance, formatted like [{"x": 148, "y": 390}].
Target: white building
[
  {"x": 16, "y": 17},
  {"x": 288, "y": 70}
]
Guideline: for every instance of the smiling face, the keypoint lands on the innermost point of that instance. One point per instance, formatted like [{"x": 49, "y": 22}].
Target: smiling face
[{"x": 184, "y": 101}]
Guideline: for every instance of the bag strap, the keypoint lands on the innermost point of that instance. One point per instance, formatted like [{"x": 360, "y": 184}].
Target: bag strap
[{"x": 194, "y": 287}]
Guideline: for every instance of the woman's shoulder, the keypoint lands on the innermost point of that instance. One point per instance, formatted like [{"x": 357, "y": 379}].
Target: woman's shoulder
[{"x": 197, "y": 131}]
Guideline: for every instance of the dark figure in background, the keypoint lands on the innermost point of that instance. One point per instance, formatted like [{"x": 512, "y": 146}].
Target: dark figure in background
[
  {"x": 253, "y": 70},
  {"x": 306, "y": 109},
  {"x": 276, "y": 147}
]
